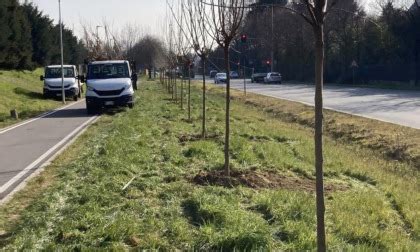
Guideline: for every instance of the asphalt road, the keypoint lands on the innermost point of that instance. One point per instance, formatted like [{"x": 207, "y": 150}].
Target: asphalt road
[
  {"x": 24, "y": 148},
  {"x": 395, "y": 106}
]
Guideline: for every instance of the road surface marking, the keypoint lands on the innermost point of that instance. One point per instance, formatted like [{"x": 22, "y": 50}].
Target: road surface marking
[
  {"x": 37, "y": 118},
  {"x": 45, "y": 155}
]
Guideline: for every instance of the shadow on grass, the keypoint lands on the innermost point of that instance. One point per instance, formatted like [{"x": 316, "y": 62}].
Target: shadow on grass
[
  {"x": 112, "y": 110},
  {"x": 198, "y": 216},
  {"x": 245, "y": 240},
  {"x": 5, "y": 238},
  {"x": 264, "y": 211},
  {"x": 198, "y": 137},
  {"x": 27, "y": 93}
]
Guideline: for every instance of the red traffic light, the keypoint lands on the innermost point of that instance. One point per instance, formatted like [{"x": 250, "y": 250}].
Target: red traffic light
[
  {"x": 268, "y": 62},
  {"x": 244, "y": 38}
]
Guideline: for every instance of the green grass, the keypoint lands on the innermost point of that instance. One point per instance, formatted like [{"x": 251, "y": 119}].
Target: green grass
[
  {"x": 79, "y": 203},
  {"x": 22, "y": 90},
  {"x": 394, "y": 142}
]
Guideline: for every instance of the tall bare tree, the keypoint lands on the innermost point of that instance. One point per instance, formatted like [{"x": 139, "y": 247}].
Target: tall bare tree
[
  {"x": 198, "y": 30},
  {"x": 102, "y": 45},
  {"x": 315, "y": 14},
  {"x": 183, "y": 46},
  {"x": 149, "y": 52},
  {"x": 226, "y": 18}
]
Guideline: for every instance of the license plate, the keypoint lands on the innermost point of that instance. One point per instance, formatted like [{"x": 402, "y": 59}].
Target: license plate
[
  {"x": 58, "y": 94},
  {"x": 109, "y": 103}
]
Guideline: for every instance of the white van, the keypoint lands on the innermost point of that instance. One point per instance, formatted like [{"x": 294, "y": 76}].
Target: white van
[
  {"x": 109, "y": 83},
  {"x": 53, "y": 82}
]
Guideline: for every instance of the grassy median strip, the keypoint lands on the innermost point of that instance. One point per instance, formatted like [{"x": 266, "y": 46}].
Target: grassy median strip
[
  {"x": 394, "y": 142},
  {"x": 143, "y": 178},
  {"x": 22, "y": 90}
]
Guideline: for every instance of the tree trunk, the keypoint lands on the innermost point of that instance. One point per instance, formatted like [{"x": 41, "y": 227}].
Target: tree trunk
[
  {"x": 182, "y": 92},
  {"x": 175, "y": 89},
  {"x": 227, "y": 119},
  {"x": 166, "y": 81},
  {"x": 319, "y": 82},
  {"x": 416, "y": 63},
  {"x": 203, "y": 132},
  {"x": 172, "y": 86},
  {"x": 189, "y": 93}
]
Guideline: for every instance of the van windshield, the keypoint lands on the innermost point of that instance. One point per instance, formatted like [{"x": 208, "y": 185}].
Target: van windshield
[
  {"x": 108, "y": 71},
  {"x": 55, "y": 72}
]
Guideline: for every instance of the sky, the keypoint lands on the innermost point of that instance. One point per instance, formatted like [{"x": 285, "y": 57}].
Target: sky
[{"x": 148, "y": 14}]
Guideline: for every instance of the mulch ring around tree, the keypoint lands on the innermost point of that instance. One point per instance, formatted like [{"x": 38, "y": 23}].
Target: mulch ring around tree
[{"x": 261, "y": 180}]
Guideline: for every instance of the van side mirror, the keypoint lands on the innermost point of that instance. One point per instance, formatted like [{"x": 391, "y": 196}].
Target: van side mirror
[{"x": 41, "y": 78}]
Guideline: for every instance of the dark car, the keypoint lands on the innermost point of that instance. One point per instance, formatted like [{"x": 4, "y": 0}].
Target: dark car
[
  {"x": 234, "y": 75},
  {"x": 258, "y": 77},
  {"x": 213, "y": 73}
]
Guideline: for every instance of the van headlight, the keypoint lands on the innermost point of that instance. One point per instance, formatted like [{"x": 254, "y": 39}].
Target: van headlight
[{"x": 89, "y": 88}]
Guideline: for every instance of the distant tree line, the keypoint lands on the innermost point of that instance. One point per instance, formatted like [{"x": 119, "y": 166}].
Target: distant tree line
[
  {"x": 149, "y": 53},
  {"x": 384, "y": 46},
  {"x": 29, "y": 39}
]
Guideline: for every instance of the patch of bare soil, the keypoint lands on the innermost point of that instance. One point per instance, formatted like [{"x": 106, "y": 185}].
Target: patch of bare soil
[{"x": 260, "y": 180}]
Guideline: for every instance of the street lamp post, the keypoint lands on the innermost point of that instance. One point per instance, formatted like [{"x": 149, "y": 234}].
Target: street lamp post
[{"x": 63, "y": 93}]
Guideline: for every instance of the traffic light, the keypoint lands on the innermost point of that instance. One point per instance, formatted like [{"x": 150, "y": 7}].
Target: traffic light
[
  {"x": 244, "y": 38},
  {"x": 268, "y": 63}
]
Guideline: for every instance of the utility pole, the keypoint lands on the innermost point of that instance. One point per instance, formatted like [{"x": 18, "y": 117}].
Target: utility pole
[{"x": 63, "y": 93}]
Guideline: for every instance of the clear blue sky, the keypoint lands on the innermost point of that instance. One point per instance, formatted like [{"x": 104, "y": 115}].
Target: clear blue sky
[{"x": 147, "y": 13}]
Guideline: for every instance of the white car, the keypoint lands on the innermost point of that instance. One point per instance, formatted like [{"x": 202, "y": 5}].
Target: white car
[
  {"x": 109, "y": 83},
  {"x": 273, "y": 78},
  {"x": 53, "y": 82},
  {"x": 220, "y": 78}
]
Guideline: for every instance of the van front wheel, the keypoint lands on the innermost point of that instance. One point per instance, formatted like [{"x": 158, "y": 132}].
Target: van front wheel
[{"x": 90, "y": 109}]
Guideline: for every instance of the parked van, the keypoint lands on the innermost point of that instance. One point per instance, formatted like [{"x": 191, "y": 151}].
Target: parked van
[
  {"x": 109, "y": 83},
  {"x": 53, "y": 82}
]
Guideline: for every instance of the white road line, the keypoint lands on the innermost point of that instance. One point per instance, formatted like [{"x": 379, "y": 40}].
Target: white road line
[
  {"x": 37, "y": 118},
  {"x": 45, "y": 155}
]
